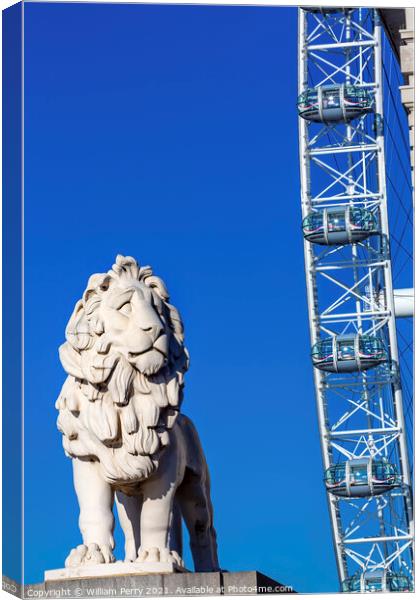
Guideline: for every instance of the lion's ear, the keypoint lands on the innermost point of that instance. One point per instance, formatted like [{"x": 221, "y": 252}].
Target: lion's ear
[
  {"x": 78, "y": 330},
  {"x": 157, "y": 284},
  {"x": 97, "y": 284},
  {"x": 176, "y": 322}
]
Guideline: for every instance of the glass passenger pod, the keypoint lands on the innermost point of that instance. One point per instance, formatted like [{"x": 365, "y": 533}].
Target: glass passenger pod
[
  {"x": 334, "y": 103},
  {"x": 326, "y": 10},
  {"x": 348, "y": 353},
  {"x": 339, "y": 225},
  {"x": 361, "y": 477},
  {"x": 379, "y": 580}
]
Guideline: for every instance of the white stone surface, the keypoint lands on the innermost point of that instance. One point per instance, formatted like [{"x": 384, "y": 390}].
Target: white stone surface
[
  {"x": 114, "y": 569},
  {"x": 119, "y": 413}
]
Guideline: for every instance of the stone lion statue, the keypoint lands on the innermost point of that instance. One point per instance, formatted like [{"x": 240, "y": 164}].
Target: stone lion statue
[{"x": 119, "y": 413}]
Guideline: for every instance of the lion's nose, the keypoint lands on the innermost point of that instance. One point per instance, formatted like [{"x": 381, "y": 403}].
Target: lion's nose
[{"x": 155, "y": 331}]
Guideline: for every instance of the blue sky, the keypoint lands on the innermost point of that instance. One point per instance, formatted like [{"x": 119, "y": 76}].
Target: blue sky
[{"x": 169, "y": 133}]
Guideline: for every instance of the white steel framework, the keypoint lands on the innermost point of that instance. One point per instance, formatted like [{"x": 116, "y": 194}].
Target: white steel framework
[{"x": 350, "y": 290}]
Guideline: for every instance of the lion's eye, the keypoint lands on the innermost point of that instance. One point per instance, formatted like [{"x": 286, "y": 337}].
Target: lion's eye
[{"x": 126, "y": 308}]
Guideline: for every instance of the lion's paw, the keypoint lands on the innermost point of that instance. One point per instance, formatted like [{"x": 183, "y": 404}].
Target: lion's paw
[
  {"x": 92, "y": 554},
  {"x": 76, "y": 556},
  {"x": 162, "y": 555}
]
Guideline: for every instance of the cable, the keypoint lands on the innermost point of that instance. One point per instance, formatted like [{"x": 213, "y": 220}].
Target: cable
[
  {"x": 401, "y": 246},
  {"x": 399, "y": 198},
  {"x": 396, "y": 111},
  {"x": 402, "y": 268},
  {"x": 410, "y": 186},
  {"x": 400, "y": 240}
]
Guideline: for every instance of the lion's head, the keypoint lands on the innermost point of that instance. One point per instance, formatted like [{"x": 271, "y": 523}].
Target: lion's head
[{"x": 125, "y": 359}]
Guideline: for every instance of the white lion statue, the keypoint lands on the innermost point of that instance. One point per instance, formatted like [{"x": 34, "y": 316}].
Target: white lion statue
[{"x": 119, "y": 413}]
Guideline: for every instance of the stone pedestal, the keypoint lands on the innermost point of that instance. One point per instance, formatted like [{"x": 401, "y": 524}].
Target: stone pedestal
[
  {"x": 127, "y": 584},
  {"x": 118, "y": 568}
]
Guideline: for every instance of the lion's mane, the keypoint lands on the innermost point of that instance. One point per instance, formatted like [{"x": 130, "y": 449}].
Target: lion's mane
[{"x": 108, "y": 410}]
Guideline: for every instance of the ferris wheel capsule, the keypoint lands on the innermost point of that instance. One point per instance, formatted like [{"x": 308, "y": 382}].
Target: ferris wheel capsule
[
  {"x": 378, "y": 580},
  {"x": 339, "y": 225},
  {"x": 326, "y": 10},
  {"x": 334, "y": 103},
  {"x": 348, "y": 353},
  {"x": 361, "y": 477}
]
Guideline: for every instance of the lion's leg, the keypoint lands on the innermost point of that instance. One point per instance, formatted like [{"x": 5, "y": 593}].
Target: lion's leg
[
  {"x": 193, "y": 496},
  {"x": 175, "y": 534},
  {"x": 197, "y": 510},
  {"x": 129, "y": 509},
  {"x": 156, "y": 522},
  {"x": 157, "y": 511},
  {"x": 96, "y": 520}
]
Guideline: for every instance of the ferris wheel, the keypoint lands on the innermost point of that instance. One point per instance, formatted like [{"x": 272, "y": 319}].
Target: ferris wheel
[{"x": 352, "y": 304}]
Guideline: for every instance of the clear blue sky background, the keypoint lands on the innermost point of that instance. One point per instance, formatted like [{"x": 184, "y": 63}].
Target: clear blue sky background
[{"x": 170, "y": 134}]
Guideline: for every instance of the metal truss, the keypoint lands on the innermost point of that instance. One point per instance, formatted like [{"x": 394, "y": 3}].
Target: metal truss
[{"x": 350, "y": 289}]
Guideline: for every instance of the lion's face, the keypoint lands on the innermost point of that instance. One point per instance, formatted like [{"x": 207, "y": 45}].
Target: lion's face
[
  {"x": 123, "y": 317},
  {"x": 133, "y": 318}
]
